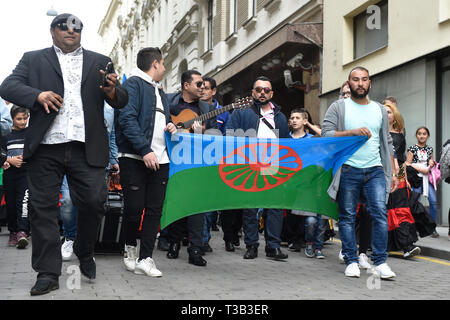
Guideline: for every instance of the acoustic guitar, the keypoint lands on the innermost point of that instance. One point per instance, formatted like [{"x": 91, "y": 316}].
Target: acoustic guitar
[{"x": 187, "y": 117}]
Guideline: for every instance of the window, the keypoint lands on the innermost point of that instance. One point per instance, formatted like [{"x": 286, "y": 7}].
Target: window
[
  {"x": 210, "y": 23},
  {"x": 370, "y": 29}
]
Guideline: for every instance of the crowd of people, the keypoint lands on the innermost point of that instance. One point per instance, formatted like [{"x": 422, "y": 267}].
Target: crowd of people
[{"x": 66, "y": 127}]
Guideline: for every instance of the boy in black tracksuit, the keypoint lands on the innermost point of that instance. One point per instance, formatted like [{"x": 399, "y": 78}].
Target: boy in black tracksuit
[{"x": 15, "y": 180}]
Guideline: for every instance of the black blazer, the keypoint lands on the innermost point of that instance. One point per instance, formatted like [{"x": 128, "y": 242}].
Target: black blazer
[{"x": 40, "y": 71}]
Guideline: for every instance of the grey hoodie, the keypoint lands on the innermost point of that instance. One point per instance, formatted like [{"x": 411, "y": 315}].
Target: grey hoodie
[{"x": 335, "y": 121}]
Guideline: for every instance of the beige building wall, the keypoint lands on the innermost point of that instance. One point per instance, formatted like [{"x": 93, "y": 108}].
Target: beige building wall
[{"x": 415, "y": 28}]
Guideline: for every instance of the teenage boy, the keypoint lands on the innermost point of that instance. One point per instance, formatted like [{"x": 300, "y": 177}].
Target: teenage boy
[{"x": 143, "y": 158}]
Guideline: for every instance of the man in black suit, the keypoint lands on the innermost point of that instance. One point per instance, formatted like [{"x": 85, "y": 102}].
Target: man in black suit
[{"x": 63, "y": 88}]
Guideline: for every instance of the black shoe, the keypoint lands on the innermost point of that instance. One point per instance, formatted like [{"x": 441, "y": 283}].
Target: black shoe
[
  {"x": 295, "y": 247},
  {"x": 174, "y": 249},
  {"x": 251, "y": 253},
  {"x": 162, "y": 244},
  {"x": 229, "y": 246},
  {"x": 88, "y": 268},
  {"x": 195, "y": 257},
  {"x": 43, "y": 286},
  {"x": 236, "y": 243},
  {"x": 207, "y": 248},
  {"x": 275, "y": 253}
]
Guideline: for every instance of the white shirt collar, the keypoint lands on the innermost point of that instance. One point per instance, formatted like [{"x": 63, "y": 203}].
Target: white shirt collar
[{"x": 77, "y": 52}]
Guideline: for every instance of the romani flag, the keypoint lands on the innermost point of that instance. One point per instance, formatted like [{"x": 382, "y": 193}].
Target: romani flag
[{"x": 209, "y": 173}]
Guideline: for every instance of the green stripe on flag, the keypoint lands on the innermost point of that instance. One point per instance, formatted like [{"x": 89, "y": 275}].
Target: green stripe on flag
[{"x": 202, "y": 190}]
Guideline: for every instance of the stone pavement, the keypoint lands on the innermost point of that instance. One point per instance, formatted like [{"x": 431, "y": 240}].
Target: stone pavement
[{"x": 229, "y": 277}]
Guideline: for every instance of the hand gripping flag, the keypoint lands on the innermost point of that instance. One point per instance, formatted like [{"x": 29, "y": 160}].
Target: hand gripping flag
[{"x": 209, "y": 173}]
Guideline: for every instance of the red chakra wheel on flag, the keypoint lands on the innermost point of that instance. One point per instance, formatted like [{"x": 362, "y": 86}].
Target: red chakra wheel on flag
[{"x": 259, "y": 167}]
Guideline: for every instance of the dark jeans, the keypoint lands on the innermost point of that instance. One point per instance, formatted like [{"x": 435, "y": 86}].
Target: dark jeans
[
  {"x": 16, "y": 198},
  {"x": 87, "y": 187},
  {"x": 142, "y": 188},
  {"x": 231, "y": 224},
  {"x": 273, "y": 223},
  {"x": 193, "y": 225}
]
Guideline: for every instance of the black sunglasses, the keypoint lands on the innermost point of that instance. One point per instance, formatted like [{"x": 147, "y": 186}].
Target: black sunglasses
[
  {"x": 64, "y": 27},
  {"x": 199, "y": 84},
  {"x": 266, "y": 90}
]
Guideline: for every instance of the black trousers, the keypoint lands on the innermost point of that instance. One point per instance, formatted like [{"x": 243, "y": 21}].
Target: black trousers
[
  {"x": 294, "y": 228},
  {"x": 142, "y": 188},
  {"x": 231, "y": 224},
  {"x": 87, "y": 187},
  {"x": 16, "y": 198},
  {"x": 194, "y": 227}
]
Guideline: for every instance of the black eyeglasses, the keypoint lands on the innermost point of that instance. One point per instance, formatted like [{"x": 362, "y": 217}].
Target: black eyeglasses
[
  {"x": 266, "y": 90},
  {"x": 64, "y": 27}
]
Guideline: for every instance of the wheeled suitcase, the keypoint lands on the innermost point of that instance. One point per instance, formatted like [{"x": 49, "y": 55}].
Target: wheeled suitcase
[{"x": 110, "y": 236}]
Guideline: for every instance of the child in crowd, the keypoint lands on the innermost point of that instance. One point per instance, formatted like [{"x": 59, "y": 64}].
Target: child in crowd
[
  {"x": 15, "y": 180},
  {"x": 298, "y": 121},
  {"x": 420, "y": 157}
]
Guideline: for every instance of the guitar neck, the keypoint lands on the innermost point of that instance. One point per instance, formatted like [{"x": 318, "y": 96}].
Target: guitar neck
[{"x": 208, "y": 115}]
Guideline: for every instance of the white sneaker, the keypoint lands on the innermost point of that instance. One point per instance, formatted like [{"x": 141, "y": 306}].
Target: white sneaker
[
  {"x": 414, "y": 252},
  {"x": 352, "y": 270},
  {"x": 341, "y": 257},
  {"x": 364, "y": 261},
  {"x": 129, "y": 257},
  {"x": 384, "y": 271},
  {"x": 67, "y": 250},
  {"x": 147, "y": 266}
]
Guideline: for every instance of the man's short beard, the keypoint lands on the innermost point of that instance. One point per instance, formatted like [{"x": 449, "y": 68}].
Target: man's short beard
[
  {"x": 356, "y": 95},
  {"x": 259, "y": 103}
]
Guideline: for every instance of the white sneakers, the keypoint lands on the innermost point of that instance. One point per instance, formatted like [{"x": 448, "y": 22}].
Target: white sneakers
[
  {"x": 363, "y": 261},
  {"x": 67, "y": 250},
  {"x": 352, "y": 270},
  {"x": 129, "y": 257},
  {"x": 384, "y": 271},
  {"x": 147, "y": 266}
]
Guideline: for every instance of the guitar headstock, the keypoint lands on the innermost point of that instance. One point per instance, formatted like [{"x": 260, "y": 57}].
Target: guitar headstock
[{"x": 243, "y": 103}]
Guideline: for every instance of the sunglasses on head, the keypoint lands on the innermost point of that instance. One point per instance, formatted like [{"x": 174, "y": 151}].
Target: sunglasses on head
[
  {"x": 64, "y": 27},
  {"x": 259, "y": 89}
]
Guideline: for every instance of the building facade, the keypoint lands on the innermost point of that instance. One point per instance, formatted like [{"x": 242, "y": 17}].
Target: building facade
[
  {"x": 233, "y": 41},
  {"x": 405, "y": 44}
]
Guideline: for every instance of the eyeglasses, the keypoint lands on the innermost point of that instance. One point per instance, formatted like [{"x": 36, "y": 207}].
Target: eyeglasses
[
  {"x": 199, "y": 84},
  {"x": 266, "y": 90},
  {"x": 64, "y": 27}
]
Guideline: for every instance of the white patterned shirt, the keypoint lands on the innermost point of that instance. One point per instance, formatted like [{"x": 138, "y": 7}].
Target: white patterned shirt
[{"x": 69, "y": 122}]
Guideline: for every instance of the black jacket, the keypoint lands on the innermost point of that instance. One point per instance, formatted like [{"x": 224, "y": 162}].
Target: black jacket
[
  {"x": 40, "y": 71},
  {"x": 174, "y": 100},
  {"x": 246, "y": 119}
]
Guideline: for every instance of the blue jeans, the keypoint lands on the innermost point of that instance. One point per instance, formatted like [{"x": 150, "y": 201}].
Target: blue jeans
[
  {"x": 432, "y": 199},
  {"x": 371, "y": 182},
  {"x": 68, "y": 212},
  {"x": 273, "y": 223},
  {"x": 207, "y": 226},
  {"x": 314, "y": 231}
]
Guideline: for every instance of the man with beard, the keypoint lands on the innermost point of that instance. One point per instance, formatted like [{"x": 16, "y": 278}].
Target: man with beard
[
  {"x": 263, "y": 120},
  {"x": 367, "y": 171}
]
